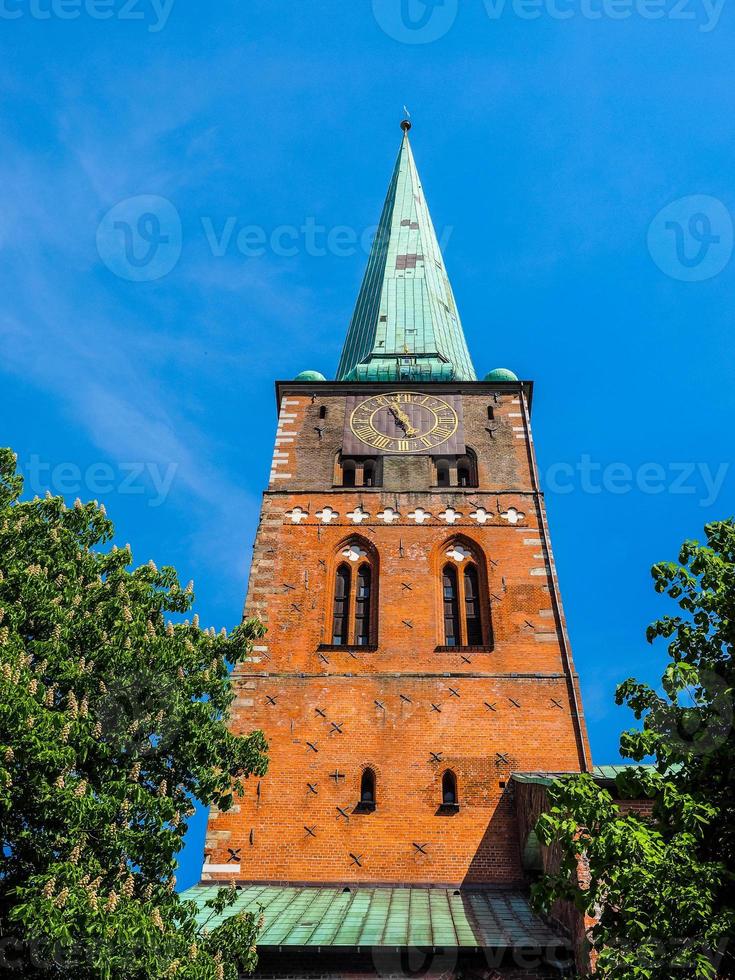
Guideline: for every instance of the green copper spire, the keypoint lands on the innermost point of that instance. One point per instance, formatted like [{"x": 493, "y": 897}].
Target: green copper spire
[{"x": 406, "y": 325}]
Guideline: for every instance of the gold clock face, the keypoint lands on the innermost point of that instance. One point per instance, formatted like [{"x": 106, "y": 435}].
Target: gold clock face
[{"x": 404, "y": 422}]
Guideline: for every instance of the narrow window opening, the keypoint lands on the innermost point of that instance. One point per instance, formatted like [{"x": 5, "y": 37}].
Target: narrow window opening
[
  {"x": 451, "y": 607},
  {"x": 368, "y": 471},
  {"x": 348, "y": 473},
  {"x": 367, "y": 787},
  {"x": 442, "y": 473},
  {"x": 449, "y": 789},
  {"x": 362, "y": 606},
  {"x": 472, "y": 606},
  {"x": 340, "y": 629},
  {"x": 323, "y": 412},
  {"x": 467, "y": 470},
  {"x": 491, "y": 413}
]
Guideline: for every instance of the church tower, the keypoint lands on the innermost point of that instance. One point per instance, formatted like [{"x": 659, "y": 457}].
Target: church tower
[{"x": 416, "y": 654}]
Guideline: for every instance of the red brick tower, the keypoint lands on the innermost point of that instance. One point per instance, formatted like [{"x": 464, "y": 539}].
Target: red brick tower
[{"x": 416, "y": 653}]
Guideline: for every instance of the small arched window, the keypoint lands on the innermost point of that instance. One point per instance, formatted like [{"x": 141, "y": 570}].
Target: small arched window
[
  {"x": 443, "y": 475},
  {"x": 491, "y": 413},
  {"x": 362, "y": 606},
  {"x": 368, "y": 471},
  {"x": 367, "y": 787},
  {"x": 452, "y": 634},
  {"x": 341, "y": 616},
  {"x": 449, "y": 789},
  {"x": 323, "y": 412}
]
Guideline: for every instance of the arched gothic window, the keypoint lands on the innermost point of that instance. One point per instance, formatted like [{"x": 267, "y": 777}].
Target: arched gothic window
[
  {"x": 464, "y": 598},
  {"x": 354, "y": 603}
]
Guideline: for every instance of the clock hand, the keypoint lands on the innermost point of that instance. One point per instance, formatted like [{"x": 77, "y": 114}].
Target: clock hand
[{"x": 402, "y": 419}]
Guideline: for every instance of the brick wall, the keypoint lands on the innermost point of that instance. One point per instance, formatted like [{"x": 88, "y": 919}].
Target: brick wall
[{"x": 405, "y": 708}]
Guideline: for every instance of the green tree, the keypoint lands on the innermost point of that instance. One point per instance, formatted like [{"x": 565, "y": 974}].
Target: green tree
[
  {"x": 661, "y": 888},
  {"x": 112, "y": 723}
]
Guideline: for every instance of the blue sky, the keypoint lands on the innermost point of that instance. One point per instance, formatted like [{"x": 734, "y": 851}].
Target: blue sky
[{"x": 578, "y": 158}]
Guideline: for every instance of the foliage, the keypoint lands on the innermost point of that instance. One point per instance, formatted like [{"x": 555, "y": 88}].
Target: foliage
[
  {"x": 661, "y": 886},
  {"x": 112, "y": 722}
]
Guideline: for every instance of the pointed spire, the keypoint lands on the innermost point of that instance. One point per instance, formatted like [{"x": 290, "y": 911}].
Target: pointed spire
[{"x": 406, "y": 324}]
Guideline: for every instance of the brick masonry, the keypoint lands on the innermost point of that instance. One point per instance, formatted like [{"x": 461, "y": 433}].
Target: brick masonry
[{"x": 402, "y": 706}]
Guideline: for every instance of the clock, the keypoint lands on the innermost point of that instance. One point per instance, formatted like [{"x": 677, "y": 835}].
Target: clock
[{"x": 404, "y": 422}]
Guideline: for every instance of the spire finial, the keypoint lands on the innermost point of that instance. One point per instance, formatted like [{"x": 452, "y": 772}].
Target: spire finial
[{"x": 406, "y": 125}]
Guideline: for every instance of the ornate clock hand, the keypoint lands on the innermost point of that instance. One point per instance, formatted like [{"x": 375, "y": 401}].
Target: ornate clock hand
[{"x": 402, "y": 419}]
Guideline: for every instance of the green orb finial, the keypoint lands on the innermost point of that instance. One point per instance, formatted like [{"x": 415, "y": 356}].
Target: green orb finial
[
  {"x": 501, "y": 374},
  {"x": 310, "y": 376}
]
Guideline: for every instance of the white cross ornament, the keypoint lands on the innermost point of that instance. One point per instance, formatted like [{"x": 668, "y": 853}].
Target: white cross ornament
[
  {"x": 327, "y": 515},
  {"x": 420, "y": 515},
  {"x": 480, "y": 515},
  {"x": 297, "y": 515},
  {"x": 458, "y": 553},
  {"x": 354, "y": 552},
  {"x": 358, "y": 515},
  {"x": 389, "y": 516},
  {"x": 450, "y": 515},
  {"x": 513, "y": 516}
]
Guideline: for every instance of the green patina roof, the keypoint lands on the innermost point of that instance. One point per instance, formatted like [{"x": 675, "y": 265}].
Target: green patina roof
[
  {"x": 406, "y": 324},
  {"x": 605, "y": 773},
  {"x": 310, "y": 376},
  {"x": 364, "y": 916}
]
